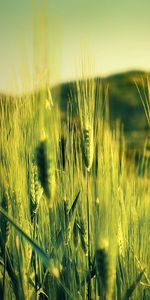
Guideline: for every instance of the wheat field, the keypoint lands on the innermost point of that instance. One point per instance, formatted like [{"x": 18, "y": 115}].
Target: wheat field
[{"x": 74, "y": 213}]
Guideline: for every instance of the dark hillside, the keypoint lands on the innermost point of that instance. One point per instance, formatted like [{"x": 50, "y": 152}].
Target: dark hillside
[{"x": 124, "y": 100}]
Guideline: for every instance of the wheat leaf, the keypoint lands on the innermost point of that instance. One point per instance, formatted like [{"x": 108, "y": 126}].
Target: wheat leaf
[
  {"x": 44, "y": 257},
  {"x": 132, "y": 287}
]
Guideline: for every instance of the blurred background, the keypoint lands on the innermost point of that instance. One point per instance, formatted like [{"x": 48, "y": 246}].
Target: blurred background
[{"x": 50, "y": 38}]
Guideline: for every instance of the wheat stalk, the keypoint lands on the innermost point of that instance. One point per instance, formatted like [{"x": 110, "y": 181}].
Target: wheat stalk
[
  {"x": 5, "y": 229},
  {"x": 86, "y": 110}
]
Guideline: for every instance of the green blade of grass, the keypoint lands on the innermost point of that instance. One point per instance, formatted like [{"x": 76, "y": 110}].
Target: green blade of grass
[
  {"x": 60, "y": 234},
  {"x": 72, "y": 209},
  {"x": 44, "y": 257},
  {"x": 132, "y": 287}
]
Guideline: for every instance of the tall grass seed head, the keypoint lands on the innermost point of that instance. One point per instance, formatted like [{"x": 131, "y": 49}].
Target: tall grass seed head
[{"x": 46, "y": 170}]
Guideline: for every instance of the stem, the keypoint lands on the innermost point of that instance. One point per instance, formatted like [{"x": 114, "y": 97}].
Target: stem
[
  {"x": 34, "y": 258},
  {"x": 89, "y": 249},
  {"x": 4, "y": 274},
  {"x": 14, "y": 278}
]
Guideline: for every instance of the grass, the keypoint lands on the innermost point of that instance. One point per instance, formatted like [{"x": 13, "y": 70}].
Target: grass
[{"x": 74, "y": 218}]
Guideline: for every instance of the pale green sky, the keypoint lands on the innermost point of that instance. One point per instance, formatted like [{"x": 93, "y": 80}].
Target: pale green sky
[{"x": 114, "y": 35}]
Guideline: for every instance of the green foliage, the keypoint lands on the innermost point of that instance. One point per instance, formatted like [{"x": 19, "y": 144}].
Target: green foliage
[{"x": 52, "y": 248}]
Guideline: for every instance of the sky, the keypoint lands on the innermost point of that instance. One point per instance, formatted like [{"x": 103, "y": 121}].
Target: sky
[{"x": 50, "y": 40}]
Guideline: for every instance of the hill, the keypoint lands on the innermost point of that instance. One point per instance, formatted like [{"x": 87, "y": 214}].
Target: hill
[{"x": 124, "y": 102}]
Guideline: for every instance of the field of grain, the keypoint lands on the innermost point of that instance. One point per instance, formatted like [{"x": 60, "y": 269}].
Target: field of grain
[{"x": 74, "y": 213}]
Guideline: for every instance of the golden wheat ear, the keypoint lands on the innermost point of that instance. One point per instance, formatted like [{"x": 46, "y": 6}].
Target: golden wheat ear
[
  {"x": 88, "y": 147},
  {"x": 46, "y": 170},
  {"x": 36, "y": 191},
  {"x": 69, "y": 222},
  {"x": 4, "y": 224}
]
